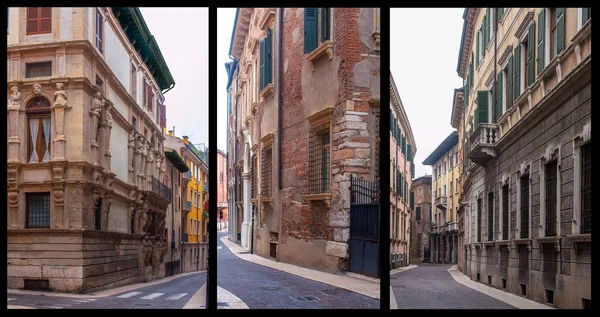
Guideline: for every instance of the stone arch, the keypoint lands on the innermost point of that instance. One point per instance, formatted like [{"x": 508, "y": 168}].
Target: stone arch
[{"x": 32, "y": 96}]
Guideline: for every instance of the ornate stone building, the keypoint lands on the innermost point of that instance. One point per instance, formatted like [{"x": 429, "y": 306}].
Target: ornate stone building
[
  {"x": 527, "y": 143},
  {"x": 402, "y": 169},
  {"x": 445, "y": 197},
  {"x": 87, "y": 190},
  {"x": 303, "y": 117},
  {"x": 420, "y": 220}
]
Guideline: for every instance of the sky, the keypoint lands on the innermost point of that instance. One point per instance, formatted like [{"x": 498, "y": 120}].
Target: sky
[
  {"x": 225, "y": 19},
  {"x": 423, "y": 64},
  {"x": 186, "y": 55}
]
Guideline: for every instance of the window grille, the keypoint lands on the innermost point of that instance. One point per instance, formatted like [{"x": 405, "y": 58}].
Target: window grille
[
  {"x": 525, "y": 206},
  {"x": 586, "y": 188},
  {"x": 551, "y": 199},
  {"x": 319, "y": 159},
  {"x": 267, "y": 167},
  {"x": 38, "y": 210},
  {"x": 505, "y": 212},
  {"x": 490, "y": 216}
]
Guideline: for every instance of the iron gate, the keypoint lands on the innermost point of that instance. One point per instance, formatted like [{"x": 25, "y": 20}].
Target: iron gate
[{"x": 364, "y": 226}]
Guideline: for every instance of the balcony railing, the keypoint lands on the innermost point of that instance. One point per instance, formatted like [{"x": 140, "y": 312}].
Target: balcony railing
[
  {"x": 187, "y": 175},
  {"x": 205, "y": 187},
  {"x": 187, "y": 206},
  {"x": 441, "y": 202},
  {"x": 483, "y": 142},
  {"x": 449, "y": 226},
  {"x": 161, "y": 189}
]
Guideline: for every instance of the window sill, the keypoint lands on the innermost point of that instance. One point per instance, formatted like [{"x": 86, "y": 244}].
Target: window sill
[
  {"x": 267, "y": 201},
  {"x": 325, "y": 48},
  {"x": 502, "y": 242},
  {"x": 488, "y": 243},
  {"x": 549, "y": 69},
  {"x": 549, "y": 240},
  {"x": 583, "y": 33},
  {"x": 267, "y": 91},
  {"x": 578, "y": 238},
  {"x": 325, "y": 198}
]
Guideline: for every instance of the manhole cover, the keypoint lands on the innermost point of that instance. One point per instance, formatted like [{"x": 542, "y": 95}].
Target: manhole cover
[
  {"x": 271, "y": 288},
  {"x": 223, "y": 304},
  {"x": 308, "y": 298}
]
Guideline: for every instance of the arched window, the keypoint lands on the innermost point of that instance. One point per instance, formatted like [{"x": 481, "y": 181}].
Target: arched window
[{"x": 38, "y": 127}]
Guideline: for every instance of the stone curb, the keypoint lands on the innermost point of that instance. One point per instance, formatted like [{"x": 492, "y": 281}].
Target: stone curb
[
  {"x": 198, "y": 300},
  {"x": 360, "y": 286},
  {"x": 102, "y": 293},
  {"x": 19, "y": 307},
  {"x": 233, "y": 302},
  {"x": 402, "y": 269}
]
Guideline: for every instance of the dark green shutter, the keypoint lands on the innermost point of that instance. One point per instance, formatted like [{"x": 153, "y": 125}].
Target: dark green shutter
[
  {"x": 408, "y": 152},
  {"x": 500, "y": 13},
  {"x": 481, "y": 114},
  {"x": 263, "y": 60},
  {"x": 470, "y": 79},
  {"x": 540, "y": 42},
  {"x": 269, "y": 49},
  {"x": 391, "y": 125},
  {"x": 412, "y": 170},
  {"x": 531, "y": 55},
  {"x": 412, "y": 200},
  {"x": 498, "y": 104},
  {"x": 585, "y": 15},
  {"x": 560, "y": 30},
  {"x": 403, "y": 145},
  {"x": 486, "y": 20},
  {"x": 325, "y": 24},
  {"x": 517, "y": 73},
  {"x": 310, "y": 29},
  {"x": 477, "y": 47},
  {"x": 509, "y": 83}
]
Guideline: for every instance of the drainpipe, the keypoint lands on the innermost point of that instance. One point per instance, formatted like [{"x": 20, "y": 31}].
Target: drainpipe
[
  {"x": 280, "y": 97},
  {"x": 495, "y": 62},
  {"x": 172, "y": 221}
]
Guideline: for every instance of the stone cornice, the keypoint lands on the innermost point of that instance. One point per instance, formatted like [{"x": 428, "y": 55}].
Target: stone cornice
[
  {"x": 399, "y": 107},
  {"x": 524, "y": 25},
  {"x": 467, "y": 39}
]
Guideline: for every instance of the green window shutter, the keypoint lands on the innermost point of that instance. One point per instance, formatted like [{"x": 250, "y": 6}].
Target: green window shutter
[
  {"x": 585, "y": 15},
  {"x": 531, "y": 55},
  {"x": 498, "y": 105},
  {"x": 470, "y": 74},
  {"x": 310, "y": 29},
  {"x": 509, "y": 83},
  {"x": 325, "y": 24},
  {"x": 517, "y": 73},
  {"x": 560, "y": 30},
  {"x": 471, "y": 80},
  {"x": 269, "y": 49},
  {"x": 482, "y": 106},
  {"x": 263, "y": 60},
  {"x": 408, "y": 152},
  {"x": 486, "y": 20},
  {"x": 412, "y": 200},
  {"x": 399, "y": 191},
  {"x": 391, "y": 117},
  {"x": 412, "y": 170},
  {"x": 403, "y": 145},
  {"x": 477, "y": 48},
  {"x": 500, "y": 13},
  {"x": 540, "y": 41}
]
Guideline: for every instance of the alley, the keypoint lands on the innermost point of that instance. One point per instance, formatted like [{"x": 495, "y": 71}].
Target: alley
[
  {"x": 261, "y": 287},
  {"x": 431, "y": 286},
  {"x": 174, "y": 294}
]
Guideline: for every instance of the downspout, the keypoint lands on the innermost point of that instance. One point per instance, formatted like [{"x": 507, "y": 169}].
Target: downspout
[
  {"x": 172, "y": 221},
  {"x": 280, "y": 97},
  {"x": 495, "y": 62}
]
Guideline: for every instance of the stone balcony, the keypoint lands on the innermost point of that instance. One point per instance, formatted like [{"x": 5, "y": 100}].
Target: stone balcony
[
  {"x": 483, "y": 143},
  {"x": 441, "y": 202}
]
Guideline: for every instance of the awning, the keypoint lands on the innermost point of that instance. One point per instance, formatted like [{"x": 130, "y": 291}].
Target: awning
[{"x": 176, "y": 160}]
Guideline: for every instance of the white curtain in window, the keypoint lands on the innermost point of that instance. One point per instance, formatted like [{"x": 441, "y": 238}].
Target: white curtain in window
[
  {"x": 33, "y": 129},
  {"x": 46, "y": 127}
]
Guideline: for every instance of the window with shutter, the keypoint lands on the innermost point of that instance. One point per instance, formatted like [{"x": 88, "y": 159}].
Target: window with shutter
[
  {"x": 269, "y": 54},
  {"x": 403, "y": 145},
  {"x": 498, "y": 104},
  {"x": 263, "y": 60},
  {"x": 560, "y": 30},
  {"x": 540, "y": 41},
  {"x": 531, "y": 55},
  {"x": 477, "y": 47},
  {"x": 509, "y": 83},
  {"x": 517, "y": 73},
  {"x": 325, "y": 21},
  {"x": 310, "y": 29},
  {"x": 481, "y": 113},
  {"x": 39, "y": 20},
  {"x": 486, "y": 29},
  {"x": 99, "y": 27},
  {"x": 500, "y": 13}
]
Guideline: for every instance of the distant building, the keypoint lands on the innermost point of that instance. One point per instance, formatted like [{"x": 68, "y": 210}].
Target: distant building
[
  {"x": 222, "y": 219},
  {"x": 444, "y": 224},
  {"x": 527, "y": 136},
  {"x": 402, "y": 152},
  {"x": 88, "y": 190},
  {"x": 421, "y": 216}
]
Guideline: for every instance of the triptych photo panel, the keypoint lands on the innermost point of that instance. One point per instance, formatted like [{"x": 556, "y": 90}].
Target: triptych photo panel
[{"x": 229, "y": 158}]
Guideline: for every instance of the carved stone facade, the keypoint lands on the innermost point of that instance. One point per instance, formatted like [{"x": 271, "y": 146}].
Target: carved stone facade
[{"x": 72, "y": 213}]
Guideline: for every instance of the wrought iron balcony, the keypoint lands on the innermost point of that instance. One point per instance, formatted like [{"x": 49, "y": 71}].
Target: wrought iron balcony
[
  {"x": 441, "y": 202},
  {"x": 483, "y": 143},
  {"x": 187, "y": 206},
  {"x": 187, "y": 175},
  {"x": 449, "y": 226},
  {"x": 161, "y": 189}
]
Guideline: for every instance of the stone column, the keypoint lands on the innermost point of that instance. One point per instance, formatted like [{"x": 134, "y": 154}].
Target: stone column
[
  {"x": 14, "y": 106},
  {"x": 144, "y": 177},
  {"x": 58, "y": 218},
  {"x": 137, "y": 165},
  {"x": 13, "y": 196},
  {"x": 58, "y": 107},
  {"x": 150, "y": 171},
  {"x": 107, "y": 131},
  {"x": 95, "y": 114},
  {"x": 131, "y": 157},
  {"x": 246, "y": 225}
]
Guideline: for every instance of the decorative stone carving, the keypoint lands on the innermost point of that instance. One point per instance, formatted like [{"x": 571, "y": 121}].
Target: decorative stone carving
[
  {"x": 14, "y": 102},
  {"x": 37, "y": 89},
  {"x": 96, "y": 112},
  {"x": 139, "y": 147},
  {"x": 95, "y": 199},
  {"x": 60, "y": 96},
  {"x": 108, "y": 117}
]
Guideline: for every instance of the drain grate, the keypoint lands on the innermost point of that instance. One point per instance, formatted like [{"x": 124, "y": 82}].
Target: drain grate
[
  {"x": 223, "y": 304},
  {"x": 308, "y": 298},
  {"x": 271, "y": 288}
]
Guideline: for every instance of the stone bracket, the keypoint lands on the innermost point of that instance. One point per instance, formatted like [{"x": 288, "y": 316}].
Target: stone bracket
[
  {"x": 266, "y": 201},
  {"x": 325, "y": 48},
  {"x": 325, "y": 198}
]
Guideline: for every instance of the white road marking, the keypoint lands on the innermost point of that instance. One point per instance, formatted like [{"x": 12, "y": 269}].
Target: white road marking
[
  {"x": 9, "y": 299},
  {"x": 176, "y": 296},
  {"x": 153, "y": 296},
  {"x": 55, "y": 307},
  {"x": 81, "y": 300},
  {"x": 90, "y": 299},
  {"x": 129, "y": 295},
  {"x": 219, "y": 247}
]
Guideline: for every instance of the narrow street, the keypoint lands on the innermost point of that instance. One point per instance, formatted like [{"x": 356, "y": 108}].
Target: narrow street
[
  {"x": 431, "y": 286},
  {"x": 173, "y": 294},
  {"x": 261, "y": 287}
]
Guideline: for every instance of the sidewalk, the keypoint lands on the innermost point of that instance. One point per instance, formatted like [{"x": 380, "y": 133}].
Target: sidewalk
[
  {"x": 231, "y": 301},
  {"x": 353, "y": 282},
  {"x": 509, "y": 298},
  {"x": 402, "y": 269},
  {"x": 198, "y": 300}
]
